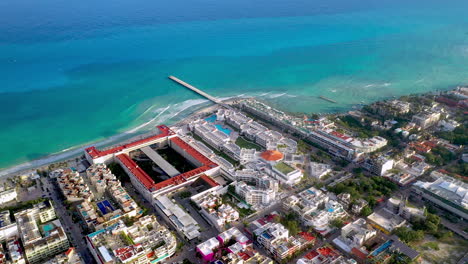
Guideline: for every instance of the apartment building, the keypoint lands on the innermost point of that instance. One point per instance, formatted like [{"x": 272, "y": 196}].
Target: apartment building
[
  {"x": 73, "y": 187},
  {"x": 426, "y": 119},
  {"x": 217, "y": 213},
  {"x": 41, "y": 236},
  {"x": 146, "y": 241}
]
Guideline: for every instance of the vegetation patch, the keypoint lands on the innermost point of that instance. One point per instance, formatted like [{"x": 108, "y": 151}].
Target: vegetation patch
[
  {"x": 117, "y": 170},
  {"x": 368, "y": 188},
  {"x": 284, "y": 168},
  {"x": 244, "y": 143},
  {"x": 458, "y": 136},
  {"x": 217, "y": 152}
]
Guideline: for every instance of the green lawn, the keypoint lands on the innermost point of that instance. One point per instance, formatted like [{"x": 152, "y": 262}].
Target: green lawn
[
  {"x": 217, "y": 152},
  {"x": 243, "y": 143},
  {"x": 284, "y": 168}
]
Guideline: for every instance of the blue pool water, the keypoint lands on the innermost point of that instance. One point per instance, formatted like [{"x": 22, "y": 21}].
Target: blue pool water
[
  {"x": 47, "y": 228},
  {"x": 105, "y": 207},
  {"x": 223, "y": 129},
  {"x": 382, "y": 248},
  {"x": 211, "y": 119}
]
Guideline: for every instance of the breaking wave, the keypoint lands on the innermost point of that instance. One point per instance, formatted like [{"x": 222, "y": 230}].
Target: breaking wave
[{"x": 159, "y": 116}]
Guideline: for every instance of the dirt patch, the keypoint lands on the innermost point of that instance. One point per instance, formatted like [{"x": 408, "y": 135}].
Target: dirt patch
[{"x": 446, "y": 251}]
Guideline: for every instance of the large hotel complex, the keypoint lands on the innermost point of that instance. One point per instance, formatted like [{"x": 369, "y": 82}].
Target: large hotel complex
[{"x": 244, "y": 183}]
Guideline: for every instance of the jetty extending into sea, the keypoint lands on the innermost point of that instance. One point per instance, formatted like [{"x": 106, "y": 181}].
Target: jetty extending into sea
[
  {"x": 327, "y": 99},
  {"x": 200, "y": 92}
]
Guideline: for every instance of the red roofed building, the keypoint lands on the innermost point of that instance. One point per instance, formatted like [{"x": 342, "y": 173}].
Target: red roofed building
[
  {"x": 94, "y": 155},
  {"x": 272, "y": 155},
  {"x": 323, "y": 255},
  {"x": 209, "y": 180},
  {"x": 139, "y": 178},
  {"x": 340, "y": 135},
  {"x": 359, "y": 254}
]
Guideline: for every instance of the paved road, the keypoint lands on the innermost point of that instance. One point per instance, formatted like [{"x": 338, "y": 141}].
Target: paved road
[
  {"x": 73, "y": 230},
  {"x": 187, "y": 250},
  {"x": 453, "y": 227}
]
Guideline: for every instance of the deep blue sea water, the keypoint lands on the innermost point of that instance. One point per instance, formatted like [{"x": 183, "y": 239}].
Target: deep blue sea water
[{"x": 76, "y": 72}]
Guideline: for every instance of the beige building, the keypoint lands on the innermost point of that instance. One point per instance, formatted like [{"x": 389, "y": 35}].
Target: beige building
[
  {"x": 426, "y": 120},
  {"x": 41, "y": 237},
  {"x": 146, "y": 241}
]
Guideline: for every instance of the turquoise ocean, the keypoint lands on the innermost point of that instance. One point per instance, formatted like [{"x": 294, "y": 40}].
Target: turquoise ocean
[{"x": 74, "y": 73}]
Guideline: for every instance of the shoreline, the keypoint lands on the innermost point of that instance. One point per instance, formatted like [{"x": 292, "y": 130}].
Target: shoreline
[{"x": 72, "y": 153}]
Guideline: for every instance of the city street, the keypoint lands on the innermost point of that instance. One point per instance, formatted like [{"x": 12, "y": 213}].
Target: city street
[{"x": 73, "y": 230}]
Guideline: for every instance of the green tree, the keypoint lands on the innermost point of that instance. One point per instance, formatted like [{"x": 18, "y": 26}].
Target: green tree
[
  {"x": 338, "y": 223},
  {"x": 407, "y": 235},
  {"x": 366, "y": 211}
]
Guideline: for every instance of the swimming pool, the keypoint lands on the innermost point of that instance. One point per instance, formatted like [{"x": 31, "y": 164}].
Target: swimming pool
[
  {"x": 211, "y": 119},
  {"x": 105, "y": 207},
  {"x": 224, "y": 130},
  {"x": 382, "y": 248},
  {"x": 47, "y": 228}
]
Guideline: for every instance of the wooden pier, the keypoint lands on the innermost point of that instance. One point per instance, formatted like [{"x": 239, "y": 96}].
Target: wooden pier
[
  {"x": 327, "y": 99},
  {"x": 198, "y": 91}
]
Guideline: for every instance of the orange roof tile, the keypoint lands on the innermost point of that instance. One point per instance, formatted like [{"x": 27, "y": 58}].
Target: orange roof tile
[{"x": 272, "y": 155}]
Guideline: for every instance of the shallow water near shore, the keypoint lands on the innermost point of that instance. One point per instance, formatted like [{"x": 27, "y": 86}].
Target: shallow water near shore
[{"x": 76, "y": 73}]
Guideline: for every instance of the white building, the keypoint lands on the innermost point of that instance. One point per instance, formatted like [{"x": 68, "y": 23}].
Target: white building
[
  {"x": 247, "y": 155},
  {"x": 15, "y": 251},
  {"x": 318, "y": 170},
  {"x": 320, "y": 220},
  {"x": 184, "y": 223},
  {"x": 143, "y": 242},
  {"x": 306, "y": 202},
  {"x": 213, "y": 210},
  {"x": 315, "y": 208},
  {"x": 44, "y": 241},
  {"x": 447, "y": 125},
  {"x": 378, "y": 165},
  {"x": 285, "y": 173},
  {"x": 425, "y": 120},
  {"x": 446, "y": 192},
  {"x": 7, "y": 195},
  {"x": 101, "y": 177},
  {"x": 255, "y": 195},
  {"x": 354, "y": 235},
  {"x": 7, "y": 229},
  {"x": 369, "y": 144},
  {"x": 385, "y": 220}
]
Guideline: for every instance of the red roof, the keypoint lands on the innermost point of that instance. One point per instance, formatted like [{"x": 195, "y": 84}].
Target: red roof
[
  {"x": 70, "y": 250},
  {"x": 339, "y": 135},
  {"x": 209, "y": 180},
  {"x": 307, "y": 236},
  {"x": 95, "y": 153},
  {"x": 446, "y": 101},
  {"x": 327, "y": 252},
  {"x": 416, "y": 158},
  {"x": 141, "y": 175},
  {"x": 192, "y": 152},
  {"x": 443, "y": 171},
  {"x": 272, "y": 155},
  {"x": 181, "y": 178},
  {"x": 311, "y": 255},
  {"x": 358, "y": 253}
]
